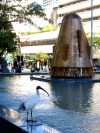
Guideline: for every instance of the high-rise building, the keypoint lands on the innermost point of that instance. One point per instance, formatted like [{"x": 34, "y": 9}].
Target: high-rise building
[
  {"x": 49, "y": 3},
  {"x": 83, "y": 8}
]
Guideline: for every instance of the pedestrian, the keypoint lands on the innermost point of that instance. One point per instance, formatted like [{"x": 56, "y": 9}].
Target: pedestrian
[
  {"x": 13, "y": 70},
  {"x": 15, "y": 63},
  {"x": 18, "y": 68}
]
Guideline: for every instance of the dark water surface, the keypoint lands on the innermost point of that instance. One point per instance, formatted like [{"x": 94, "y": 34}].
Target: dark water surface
[{"x": 70, "y": 108}]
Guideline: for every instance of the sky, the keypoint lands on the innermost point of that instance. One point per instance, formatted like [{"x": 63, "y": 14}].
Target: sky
[{"x": 39, "y": 1}]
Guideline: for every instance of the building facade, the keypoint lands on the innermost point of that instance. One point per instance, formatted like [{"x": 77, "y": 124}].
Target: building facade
[
  {"x": 49, "y": 3},
  {"x": 84, "y": 8},
  {"x": 81, "y": 7}
]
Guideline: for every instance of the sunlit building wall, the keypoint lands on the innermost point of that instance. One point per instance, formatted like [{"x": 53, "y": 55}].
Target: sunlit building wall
[
  {"x": 83, "y": 9},
  {"x": 49, "y": 3}
]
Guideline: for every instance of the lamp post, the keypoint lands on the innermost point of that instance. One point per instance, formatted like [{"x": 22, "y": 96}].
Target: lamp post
[
  {"x": 20, "y": 56},
  {"x": 19, "y": 43},
  {"x": 91, "y": 39}
]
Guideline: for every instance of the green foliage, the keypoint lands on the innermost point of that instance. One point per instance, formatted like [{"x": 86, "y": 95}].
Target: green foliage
[
  {"x": 49, "y": 27},
  {"x": 17, "y": 11},
  {"x": 46, "y": 28},
  {"x": 4, "y": 24},
  {"x": 29, "y": 33},
  {"x": 96, "y": 39},
  {"x": 84, "y": 24},
  {"x": 40, "y": 56},
  {"x": 7, "y": 42},
  {"x": 37, "y": 9}
]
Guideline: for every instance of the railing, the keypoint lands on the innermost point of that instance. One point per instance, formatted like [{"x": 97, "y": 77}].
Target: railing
[
  {"x": 87, "y": 14},
  {"x": 41, "y": 36},
  {"x": 84, "y": 15},
  {"x": 61, "y": 2},
  {"x": 78, "y": 6}
]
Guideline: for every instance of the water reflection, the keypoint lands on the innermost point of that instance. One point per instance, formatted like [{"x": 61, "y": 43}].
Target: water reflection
[
  {"x": 79, "y": 97},
  {"x": 71, "y": 107},
  {"x": 11, "y": 115},
  {"x": 15, "y": 89}
]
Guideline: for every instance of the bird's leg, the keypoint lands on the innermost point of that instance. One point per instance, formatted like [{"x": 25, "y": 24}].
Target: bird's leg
[
  {"x": 32, "y": 117},
  {"x": 27, "y": 115},
  {"x": 28, "y": 120}
]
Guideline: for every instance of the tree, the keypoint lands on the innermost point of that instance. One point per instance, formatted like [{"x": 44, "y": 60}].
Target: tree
[
  {"x": 96, "y": 42},
  {"x": 41, "y": 57},
  {"x": 12, "y": 11}
]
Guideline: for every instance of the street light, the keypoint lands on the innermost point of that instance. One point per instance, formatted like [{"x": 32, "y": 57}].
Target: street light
[
  {"x": 19, "y": 46},
  {"x": 91, "y": 39}
]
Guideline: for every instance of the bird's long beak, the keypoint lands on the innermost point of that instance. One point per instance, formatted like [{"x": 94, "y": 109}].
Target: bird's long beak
[{"x": 44, "y": 90}]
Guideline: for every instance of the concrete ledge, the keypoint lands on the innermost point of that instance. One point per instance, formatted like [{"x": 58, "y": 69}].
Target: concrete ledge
[
  {"x": 31, "y": 73},
  {"x": 25, "y": 73},
  {"x": 44, "y": 76},
  {"x": 49, "y": 79},
  {"x": 13, "y": 122}
]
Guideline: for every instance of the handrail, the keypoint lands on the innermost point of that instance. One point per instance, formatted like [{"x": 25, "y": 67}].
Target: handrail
[{"x": 78, "y": 6}]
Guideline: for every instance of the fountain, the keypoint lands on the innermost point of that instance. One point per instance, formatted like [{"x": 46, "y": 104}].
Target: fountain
[
  {"x": 71, "y": 106},
  {"x": 71, "y": 54}
]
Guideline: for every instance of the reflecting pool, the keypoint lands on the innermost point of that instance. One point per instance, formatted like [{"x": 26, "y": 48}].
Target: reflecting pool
[{"x": 70, "y": 108}]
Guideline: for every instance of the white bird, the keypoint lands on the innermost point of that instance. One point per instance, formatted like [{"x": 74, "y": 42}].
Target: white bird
[{"x": 31, "y": 102}]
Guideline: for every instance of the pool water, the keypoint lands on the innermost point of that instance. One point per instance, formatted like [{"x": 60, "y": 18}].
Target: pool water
[{"x": 70, "y": 108}]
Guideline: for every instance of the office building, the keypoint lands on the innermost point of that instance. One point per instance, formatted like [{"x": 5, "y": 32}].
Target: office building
[
  {"x": 49, "y": 3},
  {"x": 84, "y": 8}
]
